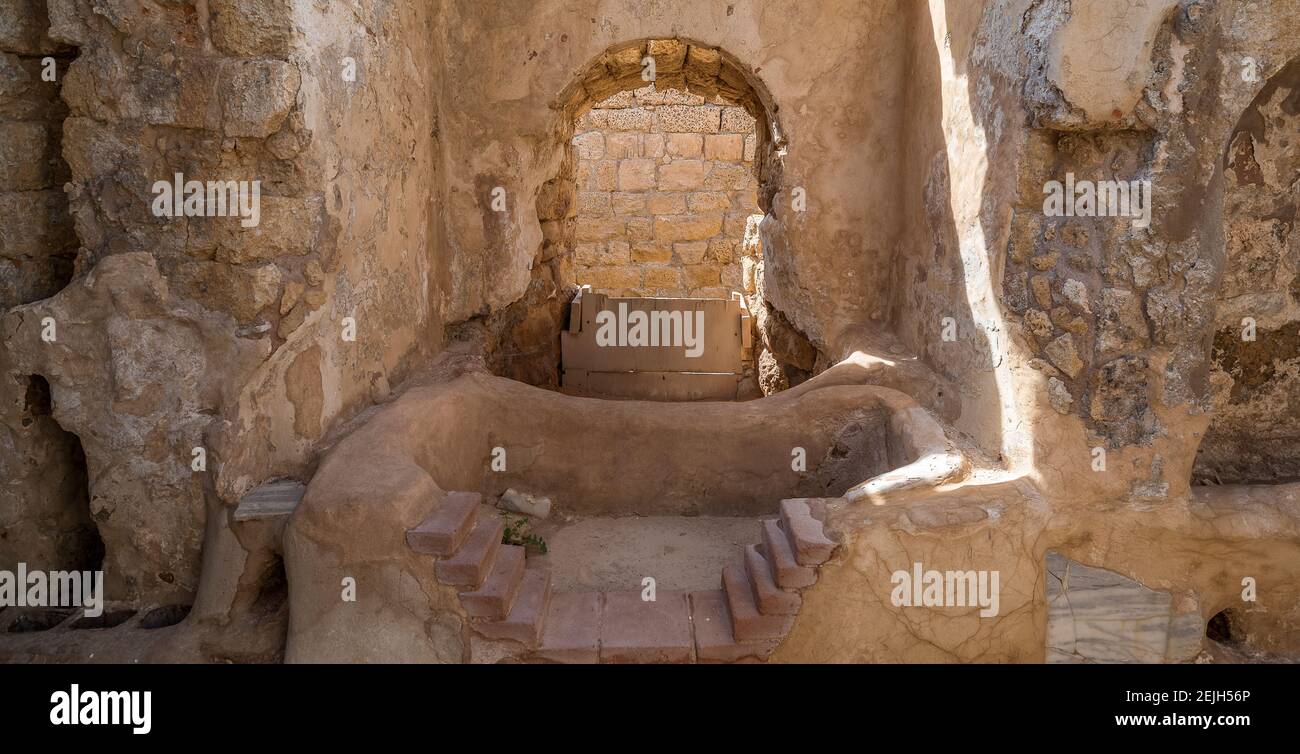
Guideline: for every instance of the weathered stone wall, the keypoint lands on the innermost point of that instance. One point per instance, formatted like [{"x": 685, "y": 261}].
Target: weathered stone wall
[
  {"x": 1095, "y": 331},
  {"x": 1255, "y": 362},
  {"x": 665, "y": 184},
  {"x": 37, "y": 242},
  {"x": 44, "y": 511},
  {"x": 194, "y": 332}
]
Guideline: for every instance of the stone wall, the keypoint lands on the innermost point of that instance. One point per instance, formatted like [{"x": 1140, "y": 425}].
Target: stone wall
[
  {"x": 37, "y": 242},
  {"x": 1255, "y": 359},
  {"x": 44, "y": 511},
  {"x": 665, "y": 183},
  {"x": 1097, "y": 332},
  {"x": 197, "y": 333}
]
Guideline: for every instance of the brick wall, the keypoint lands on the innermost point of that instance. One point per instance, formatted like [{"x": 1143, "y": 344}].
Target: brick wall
[{"x": 665, "y": 183}]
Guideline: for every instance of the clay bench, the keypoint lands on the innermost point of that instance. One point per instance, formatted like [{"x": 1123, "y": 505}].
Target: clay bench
[{"x": 660, "y": 349}]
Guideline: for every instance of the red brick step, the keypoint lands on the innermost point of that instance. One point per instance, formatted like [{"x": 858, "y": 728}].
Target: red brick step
[
  {"x": 771, "y": 599},
  {"x": 527, "y": 618},
  {"x": 806, "y": 534},
  {"x": 780, "y": 555},
  {"x": 747, "y": 623},
  {"x": 469, "y": 566},
  {"x": 496, "y": 596},
  {"x": 447, "y": 527},
  {"x": 713, "y": 639}
]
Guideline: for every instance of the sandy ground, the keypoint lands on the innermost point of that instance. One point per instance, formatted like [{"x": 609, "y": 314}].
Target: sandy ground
[{"x": 614, "y": 554}]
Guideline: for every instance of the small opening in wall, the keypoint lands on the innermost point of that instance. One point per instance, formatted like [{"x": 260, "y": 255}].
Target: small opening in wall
[
  {"x": 167, "y": 615},
  {"x": 1220, "y": 628},
  {"x": 39, "y": 620},
  {"x": 108, "y": 619},
  {"x": 67, "y": 475},
  {"x": 273, "y": 593}
]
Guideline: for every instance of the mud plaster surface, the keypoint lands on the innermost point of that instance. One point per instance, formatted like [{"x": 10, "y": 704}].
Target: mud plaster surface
[{"x": 615, "y": 554}]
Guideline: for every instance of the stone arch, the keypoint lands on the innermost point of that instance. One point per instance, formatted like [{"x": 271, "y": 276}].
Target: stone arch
[{"x": 523, "y": 340}]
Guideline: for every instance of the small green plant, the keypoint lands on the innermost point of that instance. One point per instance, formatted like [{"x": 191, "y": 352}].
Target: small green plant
[{"x": 518, "y": 533}]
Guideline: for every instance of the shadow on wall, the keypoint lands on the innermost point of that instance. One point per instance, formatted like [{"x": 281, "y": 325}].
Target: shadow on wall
[
  {"x": 943, "y": 304},
  {"x": 49, "y": 525}
]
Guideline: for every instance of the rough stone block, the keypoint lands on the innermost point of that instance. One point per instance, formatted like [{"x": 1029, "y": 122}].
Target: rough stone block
[
  {"x": 683, "y": 145},
  {"x": 252, "y": 28},
  {"x": 667, "y": 204},
  {"x": 687, "y": 227},
  {"x": 709, "y": 201},
  {"x": 662, "y": 278},
  {"x": 689, "y": 119},
  {"x": 636, "y": 175},
  {"x": 724, "y": 147},
  {"x": 736, "y": 120},
  {"x": 681, "y": 175},
  {"x": 690, "y": 252},
  {"x": 624, "y": 203},
  {"x": 702, "y": 275},
  {"x": 256, "y": 96},
  {"x": 29, "y": 157},
  {"x": 620, "y": 145},
  {"x": 652, "y": 252},
  {"x": 599, "y": 228},
  {"x": 590, "y": 145}
]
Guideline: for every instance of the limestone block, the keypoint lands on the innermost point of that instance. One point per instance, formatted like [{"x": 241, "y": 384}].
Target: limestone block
[
  {"x": 682, "y": 175},
  {"x": 619, "y": 145},
  {"x": 687, "y": 227},
  {"x": 667, "y": 204},
  {"x": 240, "y": 291},
  {"x": 652, "y": 252},
  {"x": 705, "y": 119},
  {"x": 252, "y": 28},
  {"x": 1100, "y": 57},
  {"x": 708, "y": 201},
  {"x": 724, "y": 147},
  {"x": 683, "y": 145},
  {"x": 599, "y": 228},
  {"x": 636, "y": 174},
  {"x": 590, "y": 145},
  {"x": 690, "y": 252},
  {"x": 736, "y": 120},
  {"x": 256, "y": 96},
  {"x": 29, "y": 157}
]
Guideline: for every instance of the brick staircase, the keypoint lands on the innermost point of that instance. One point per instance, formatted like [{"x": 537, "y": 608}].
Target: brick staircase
[{"x": 744, "y": 620}]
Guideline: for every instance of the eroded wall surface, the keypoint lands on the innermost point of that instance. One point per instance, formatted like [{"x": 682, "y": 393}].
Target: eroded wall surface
[{"x": 199, "y": 332}]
